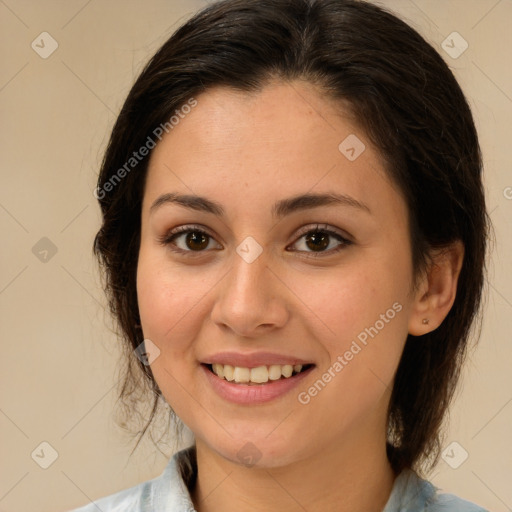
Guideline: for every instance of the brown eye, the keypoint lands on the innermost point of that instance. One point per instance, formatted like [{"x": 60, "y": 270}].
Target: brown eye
[
  {"x": 187, "y": 239},
  {"x": 321, "y": 241},
  {"x": 196, "y": 240},
  {"x": 317, "y": 241}
]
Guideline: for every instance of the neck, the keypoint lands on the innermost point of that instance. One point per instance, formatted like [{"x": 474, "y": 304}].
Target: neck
[{"x": 355, "y": 476}]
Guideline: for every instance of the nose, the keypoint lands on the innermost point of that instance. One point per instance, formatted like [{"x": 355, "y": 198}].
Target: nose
[{"x": 251, "y": 299}]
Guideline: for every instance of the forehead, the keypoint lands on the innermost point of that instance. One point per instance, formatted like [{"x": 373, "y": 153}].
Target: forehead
[
  {"x": 288, "y": 118},
  {"x": 285, "y": 139}
]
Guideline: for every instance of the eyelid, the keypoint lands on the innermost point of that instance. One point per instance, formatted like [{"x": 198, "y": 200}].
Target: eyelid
[
  {"x": 166, "y": 238},
  {"x": 343, "y": 238},
  {"x": 324, "y": 228}
]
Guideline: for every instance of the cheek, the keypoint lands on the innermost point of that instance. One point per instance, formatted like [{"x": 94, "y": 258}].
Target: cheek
[
  {"x": 167, "y": 303},
  {"x": 169, "y": 307},
  {"x": 363, "y": 313},
  {"x": 348, "y": 300}
]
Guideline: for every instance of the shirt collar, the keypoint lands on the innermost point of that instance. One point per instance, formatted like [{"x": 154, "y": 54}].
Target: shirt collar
[{"x": 172, "y": 489}]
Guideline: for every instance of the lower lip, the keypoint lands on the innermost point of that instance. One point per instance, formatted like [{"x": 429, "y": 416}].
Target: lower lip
[{"x": 254, "y": 394}]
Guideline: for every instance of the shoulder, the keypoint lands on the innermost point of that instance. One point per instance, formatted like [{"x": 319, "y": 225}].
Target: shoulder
[
  {"x": 127, "y": 499},
  {"x": 169, "y": 491},
  {"x": 444, "y": 502},
  {"x": 411, "y": 493}
]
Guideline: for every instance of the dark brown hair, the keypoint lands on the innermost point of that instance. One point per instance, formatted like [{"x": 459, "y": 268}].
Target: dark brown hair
[{"x": 408, "y": 103}]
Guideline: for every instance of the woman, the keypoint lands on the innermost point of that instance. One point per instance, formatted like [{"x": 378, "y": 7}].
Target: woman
[{"x": 294, "y": 236}]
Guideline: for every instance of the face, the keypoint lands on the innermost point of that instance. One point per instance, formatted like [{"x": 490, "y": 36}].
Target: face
[{"x": 252, "y": 277}]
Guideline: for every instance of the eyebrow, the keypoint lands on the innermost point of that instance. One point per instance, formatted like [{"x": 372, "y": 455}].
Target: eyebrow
[{"x": 280, "y": 209}]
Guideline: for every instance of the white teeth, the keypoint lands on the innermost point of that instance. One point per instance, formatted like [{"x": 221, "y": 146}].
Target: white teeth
[
  {"x": 241, "y": 374},
  {"x": 258, "y": 375},
  {"x": 274, "y": 372},
  {"x": 218, "y": 369},
  {"x": 287, "y": 370},
  {"x": 228, "y": 372}
]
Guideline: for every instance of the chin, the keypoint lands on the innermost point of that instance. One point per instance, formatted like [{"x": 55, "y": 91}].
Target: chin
[{"x": 257, "y": 451}]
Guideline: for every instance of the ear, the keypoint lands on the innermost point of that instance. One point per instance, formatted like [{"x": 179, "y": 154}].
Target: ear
[{"x": 437, "y": 289}]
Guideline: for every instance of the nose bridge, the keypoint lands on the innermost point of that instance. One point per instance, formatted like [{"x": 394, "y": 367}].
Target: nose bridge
[
  {"x": 249, "y": 267},
  {"x": 249, "y": 285},
  {"x": 250, "y": 296}
]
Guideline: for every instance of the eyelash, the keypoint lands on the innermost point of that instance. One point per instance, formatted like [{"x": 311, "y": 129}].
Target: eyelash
[{"x": 168, "y": 240}]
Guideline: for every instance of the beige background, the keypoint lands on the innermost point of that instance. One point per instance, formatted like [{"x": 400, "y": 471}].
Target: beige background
[{"x": 58, "y": 358}]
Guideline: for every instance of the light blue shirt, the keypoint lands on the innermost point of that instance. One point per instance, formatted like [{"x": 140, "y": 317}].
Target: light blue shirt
[{"x": 169, "y": 493}]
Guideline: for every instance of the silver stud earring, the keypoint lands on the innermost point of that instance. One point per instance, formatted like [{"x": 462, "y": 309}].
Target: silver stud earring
[{"x": 425, "y": 321}]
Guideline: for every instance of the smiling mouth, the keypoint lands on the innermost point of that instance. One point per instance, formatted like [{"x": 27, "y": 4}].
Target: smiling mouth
[{"x": 256, "y": 376}]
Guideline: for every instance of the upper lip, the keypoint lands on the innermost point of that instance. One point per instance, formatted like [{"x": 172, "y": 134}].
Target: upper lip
[{"x": 253, "y": 360}]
